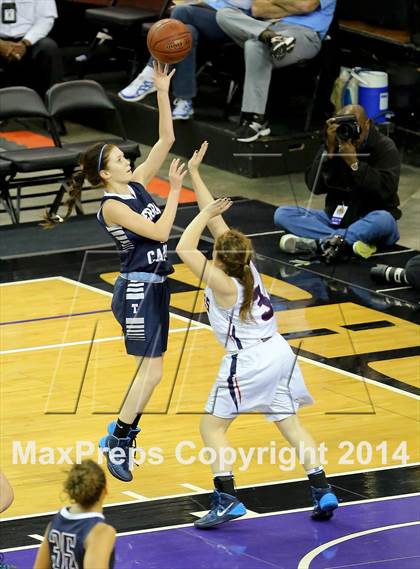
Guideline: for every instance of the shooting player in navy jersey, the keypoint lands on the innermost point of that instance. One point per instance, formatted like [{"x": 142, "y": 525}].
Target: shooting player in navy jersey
[
  {"x": 78, "y": 536},
  {"x": 140, "y": 231}
]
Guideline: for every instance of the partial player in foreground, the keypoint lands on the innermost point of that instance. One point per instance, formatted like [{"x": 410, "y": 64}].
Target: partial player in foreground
[
  {"x": 259, "y": 373},
  {"x": 6, "y": 493},
  {"x": 78, "y": 536}
]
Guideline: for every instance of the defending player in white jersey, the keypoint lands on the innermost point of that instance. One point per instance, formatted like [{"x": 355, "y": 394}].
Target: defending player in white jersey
[{"x": 259, "y": 372}]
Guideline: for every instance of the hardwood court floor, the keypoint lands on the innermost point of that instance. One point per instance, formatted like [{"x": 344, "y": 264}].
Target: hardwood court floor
[{"x": 59, "y": 388}]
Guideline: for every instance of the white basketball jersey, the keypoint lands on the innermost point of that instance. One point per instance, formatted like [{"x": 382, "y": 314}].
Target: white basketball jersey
[{"x": 233, "y": 332}]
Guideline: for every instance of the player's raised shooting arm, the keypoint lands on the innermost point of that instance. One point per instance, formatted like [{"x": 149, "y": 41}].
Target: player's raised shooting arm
[
  {"x": 216, "y": 225},
  {"x": 150, "y": 167},
  {"x": 98, "y": 547}
]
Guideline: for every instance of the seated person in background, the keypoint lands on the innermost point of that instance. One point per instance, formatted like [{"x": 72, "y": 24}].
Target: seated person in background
[
  {"x": 358, "y": 169},
  {"x": 201, "y": 20},
  {"x": 280, "y": 33},
  {"x": 26, "y": 53}
]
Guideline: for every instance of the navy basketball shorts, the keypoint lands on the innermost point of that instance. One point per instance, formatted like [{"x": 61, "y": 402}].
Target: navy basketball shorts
[{"x": 142, "y": 309}]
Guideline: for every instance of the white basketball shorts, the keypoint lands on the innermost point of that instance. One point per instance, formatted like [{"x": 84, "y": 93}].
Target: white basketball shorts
[{"x": 264, "y": 378}]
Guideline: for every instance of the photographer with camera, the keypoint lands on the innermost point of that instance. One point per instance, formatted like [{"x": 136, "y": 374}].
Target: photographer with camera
[{"x": 358, "y": 168}]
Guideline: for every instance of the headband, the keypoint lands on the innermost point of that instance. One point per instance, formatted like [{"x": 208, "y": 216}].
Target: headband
[{"x": 100, "y": 157}]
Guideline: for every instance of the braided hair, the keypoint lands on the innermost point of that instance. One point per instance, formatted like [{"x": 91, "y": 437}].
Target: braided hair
[
  {"x": 234, "y": 251},
  {"x": 92, "y": 161}
]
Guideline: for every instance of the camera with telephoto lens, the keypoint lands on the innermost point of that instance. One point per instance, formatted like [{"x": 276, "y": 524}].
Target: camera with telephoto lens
[
  {"x": 388, "y": 274},
  {"x": 348, "y": 128}
]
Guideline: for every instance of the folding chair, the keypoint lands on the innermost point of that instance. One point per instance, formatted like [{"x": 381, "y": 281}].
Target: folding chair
[
  {"x": 24, "y": 103},
  {"x": 83, "y": 101},
  {"x": 6, "y": 171}
]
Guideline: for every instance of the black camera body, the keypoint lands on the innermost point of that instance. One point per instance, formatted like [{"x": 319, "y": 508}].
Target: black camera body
[{"x": 348, "y": 128}]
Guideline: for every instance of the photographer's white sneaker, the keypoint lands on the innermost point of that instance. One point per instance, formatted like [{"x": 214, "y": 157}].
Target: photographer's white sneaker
[
  {"x": 290, "y": 243},
  {"x": 137, "y": 90}
]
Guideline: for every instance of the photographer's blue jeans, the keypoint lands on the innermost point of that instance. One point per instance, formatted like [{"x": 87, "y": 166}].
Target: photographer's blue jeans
[
  {"x": 201, "y": 22},
  {"x": 376, "y": 228}
]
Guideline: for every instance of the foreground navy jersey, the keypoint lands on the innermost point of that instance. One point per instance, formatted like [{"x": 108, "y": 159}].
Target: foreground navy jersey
[
  {"x": 138, "y": 253},
  {"x": 66, "y": 538}
]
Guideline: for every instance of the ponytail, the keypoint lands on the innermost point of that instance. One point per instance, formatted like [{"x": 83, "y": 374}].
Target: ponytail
[
  {"x": 92, "y": 162},
  {"x": 234, "y": 250},
  {"x": 52, "y": 219},
  {"x": 248, "y": 283}
]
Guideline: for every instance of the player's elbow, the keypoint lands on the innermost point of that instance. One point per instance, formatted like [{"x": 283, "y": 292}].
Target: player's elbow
[
  {"x": 6, "y": 500},
  {"x": 180, "y": 251},
  {"x": 161, "y": 235},
  {"x": 169, "y": 140}
]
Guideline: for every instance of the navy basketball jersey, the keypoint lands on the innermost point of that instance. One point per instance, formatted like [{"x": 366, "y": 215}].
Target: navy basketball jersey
[
  {"x": 67, "y": 535},
  {"x": 138, "y": 254}
]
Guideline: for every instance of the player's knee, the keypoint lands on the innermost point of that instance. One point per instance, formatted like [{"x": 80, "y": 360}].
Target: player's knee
[
  {"x": 154, "y": 378},
  {"x": 150, "y": 378},
  {"x": 206, "y": 424}
]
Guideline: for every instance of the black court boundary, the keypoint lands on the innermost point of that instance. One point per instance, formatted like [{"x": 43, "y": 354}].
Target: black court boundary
[{"x": 262, "y": 499}]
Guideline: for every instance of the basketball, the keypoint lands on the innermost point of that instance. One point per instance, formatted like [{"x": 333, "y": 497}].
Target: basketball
[{"x": 169, "y": 41}]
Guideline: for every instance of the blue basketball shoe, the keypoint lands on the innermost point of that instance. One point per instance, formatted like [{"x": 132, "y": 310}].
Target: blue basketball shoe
[
  {"x": 120, "y": 471},
  {"x": 325, "y": 502},
  {"x": 118, "y": 464},
  {"x": 224, "y": 508}
]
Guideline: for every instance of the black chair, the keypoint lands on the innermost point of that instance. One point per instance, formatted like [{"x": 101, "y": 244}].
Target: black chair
[
  {"x": 39, "y": 165},
  {"x": 6, "y": 171},
  {"x": 86, "y": 102},
  {"x": 122, "y": 22}
]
